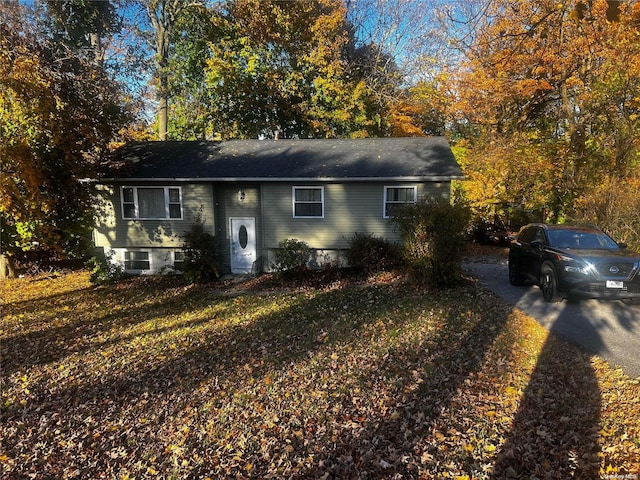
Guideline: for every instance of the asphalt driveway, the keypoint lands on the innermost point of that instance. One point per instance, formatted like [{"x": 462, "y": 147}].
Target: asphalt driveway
[{"x": 609, "y": 329}]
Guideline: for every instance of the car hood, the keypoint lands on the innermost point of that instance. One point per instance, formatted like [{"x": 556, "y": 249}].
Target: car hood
[
  {"x": 601, "y": 254},
  {"x": 616, "y": 265}
]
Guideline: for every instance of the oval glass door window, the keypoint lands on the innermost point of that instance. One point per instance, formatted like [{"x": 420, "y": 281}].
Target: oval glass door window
[{"x": 243, "y": 237}]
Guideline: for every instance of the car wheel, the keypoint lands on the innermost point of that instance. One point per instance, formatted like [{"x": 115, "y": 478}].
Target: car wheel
[
  {"x": 515, "y": 278},
  {"x": 549, "y": 283}
]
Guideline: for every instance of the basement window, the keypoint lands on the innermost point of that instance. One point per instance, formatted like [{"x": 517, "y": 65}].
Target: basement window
[{"x": 136, "y": 261}]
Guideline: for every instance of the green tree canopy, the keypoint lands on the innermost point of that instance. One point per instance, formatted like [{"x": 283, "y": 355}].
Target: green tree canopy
[
  {"x": 84, "y": 26},
  {"x": 282, "y": 66}
]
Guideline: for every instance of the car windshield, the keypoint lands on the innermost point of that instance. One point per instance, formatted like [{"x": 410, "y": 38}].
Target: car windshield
[{"x": 579, "y": 239}]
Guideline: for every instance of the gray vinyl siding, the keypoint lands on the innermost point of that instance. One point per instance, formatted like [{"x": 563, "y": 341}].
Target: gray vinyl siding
[
  {"x": 115, "y": 232},
  {"x": 349, "y": 208}
]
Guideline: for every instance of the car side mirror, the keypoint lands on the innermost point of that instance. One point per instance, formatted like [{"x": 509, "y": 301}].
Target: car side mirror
[
  {"x": 622, "y": 245},
  {"x": 536, "y": 245}
]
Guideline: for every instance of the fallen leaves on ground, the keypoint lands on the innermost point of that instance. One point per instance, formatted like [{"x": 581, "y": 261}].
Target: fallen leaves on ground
[{"x": 372, "y": 379}]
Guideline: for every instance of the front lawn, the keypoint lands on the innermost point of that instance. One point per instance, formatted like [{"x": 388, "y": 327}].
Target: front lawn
[{"x": 154, "y": 379}]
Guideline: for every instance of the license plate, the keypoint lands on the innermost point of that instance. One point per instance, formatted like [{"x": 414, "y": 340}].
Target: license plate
[{"x": 613, "y": 284}]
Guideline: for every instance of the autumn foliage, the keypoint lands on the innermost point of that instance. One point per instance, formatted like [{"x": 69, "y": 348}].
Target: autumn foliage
[
  {"x": 614, "y": 204},
  {"x": 548, "y": 104},
  {"x": 58, "y": 113}
]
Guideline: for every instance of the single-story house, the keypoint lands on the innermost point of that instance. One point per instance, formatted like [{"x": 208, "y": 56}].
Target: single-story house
[{"x": 252, "y": 194}]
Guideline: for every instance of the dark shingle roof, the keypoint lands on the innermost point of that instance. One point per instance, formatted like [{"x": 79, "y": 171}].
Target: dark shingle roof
[{"x": 426, "y": 158}]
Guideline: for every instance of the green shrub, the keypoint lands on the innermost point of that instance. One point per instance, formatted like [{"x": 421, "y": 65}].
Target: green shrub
[
  {"x": 200, "y": 254},
  {"x": 103, "y": 271},
  {"x": 292, "y": 255},
  {"x": 434, "y": 234},
  {"x": 372, "y": 254}
]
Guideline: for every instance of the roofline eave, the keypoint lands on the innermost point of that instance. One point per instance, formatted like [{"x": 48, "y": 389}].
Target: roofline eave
[{"x": 430, "y": 178}]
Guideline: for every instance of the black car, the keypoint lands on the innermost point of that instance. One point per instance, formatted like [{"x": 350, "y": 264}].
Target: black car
[{"x": 574, "y": 261}]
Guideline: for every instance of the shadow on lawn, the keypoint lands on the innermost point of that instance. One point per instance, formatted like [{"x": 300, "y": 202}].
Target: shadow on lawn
[
  {"x": 65, "y": 324},
  {"x": 167, "y": 386},
  {"x": 385, "y": 444},
  {"x": 400, "y": 442},
  {"x": 555, "y": 434}
]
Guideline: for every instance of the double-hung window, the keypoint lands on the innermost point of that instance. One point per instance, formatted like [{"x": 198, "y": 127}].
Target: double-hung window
[
  {"x": 308, "y": 202},
  {"x": 178, "y": 260},
  {"x": 136, "y": 260},
  {"x": 151, "y": 203},
  {"x": 395, "y": 197}
]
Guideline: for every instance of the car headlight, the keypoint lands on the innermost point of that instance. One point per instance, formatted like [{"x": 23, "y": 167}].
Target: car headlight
[
  {"x": 583, "y": 270},
  {"x": 573, "y": 266}
]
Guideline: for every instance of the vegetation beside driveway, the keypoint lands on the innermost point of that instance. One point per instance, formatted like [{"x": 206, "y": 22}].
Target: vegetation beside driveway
[{"x": 335, "y": 378}]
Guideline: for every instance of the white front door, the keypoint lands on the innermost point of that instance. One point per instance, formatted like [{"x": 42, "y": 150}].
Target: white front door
[{"x": 243, "y": 244}]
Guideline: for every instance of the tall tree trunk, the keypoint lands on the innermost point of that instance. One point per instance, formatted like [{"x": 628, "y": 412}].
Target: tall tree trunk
[
  {"x": 163, "y": 15},
  {"x": 99, "y": 52},
  {"x": 7, "y": 267},
  {"x": 162, "y": 53},
  {"x": 163, "y": 113}
]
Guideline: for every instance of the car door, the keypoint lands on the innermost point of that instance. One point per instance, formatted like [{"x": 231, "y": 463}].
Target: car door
[
  {"x": 536, "y": 252},
  {"x": 530, "y": 255}
]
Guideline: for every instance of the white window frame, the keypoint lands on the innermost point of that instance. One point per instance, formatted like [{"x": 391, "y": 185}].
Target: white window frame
[
  {"x": 137, "y": 270},
  {"x": 306, "y": 187},
  {"x": 177, "y": 253},
  {"x": 135, "y": 202},
  {"x": 387, "y": 201}
]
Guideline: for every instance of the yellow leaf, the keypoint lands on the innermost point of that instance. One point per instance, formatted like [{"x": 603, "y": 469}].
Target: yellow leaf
[{"x": 511, "y": 390}]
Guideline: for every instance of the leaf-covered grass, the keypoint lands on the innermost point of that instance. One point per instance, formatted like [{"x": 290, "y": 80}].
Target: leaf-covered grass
[{"x": 153, "y": 379}]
